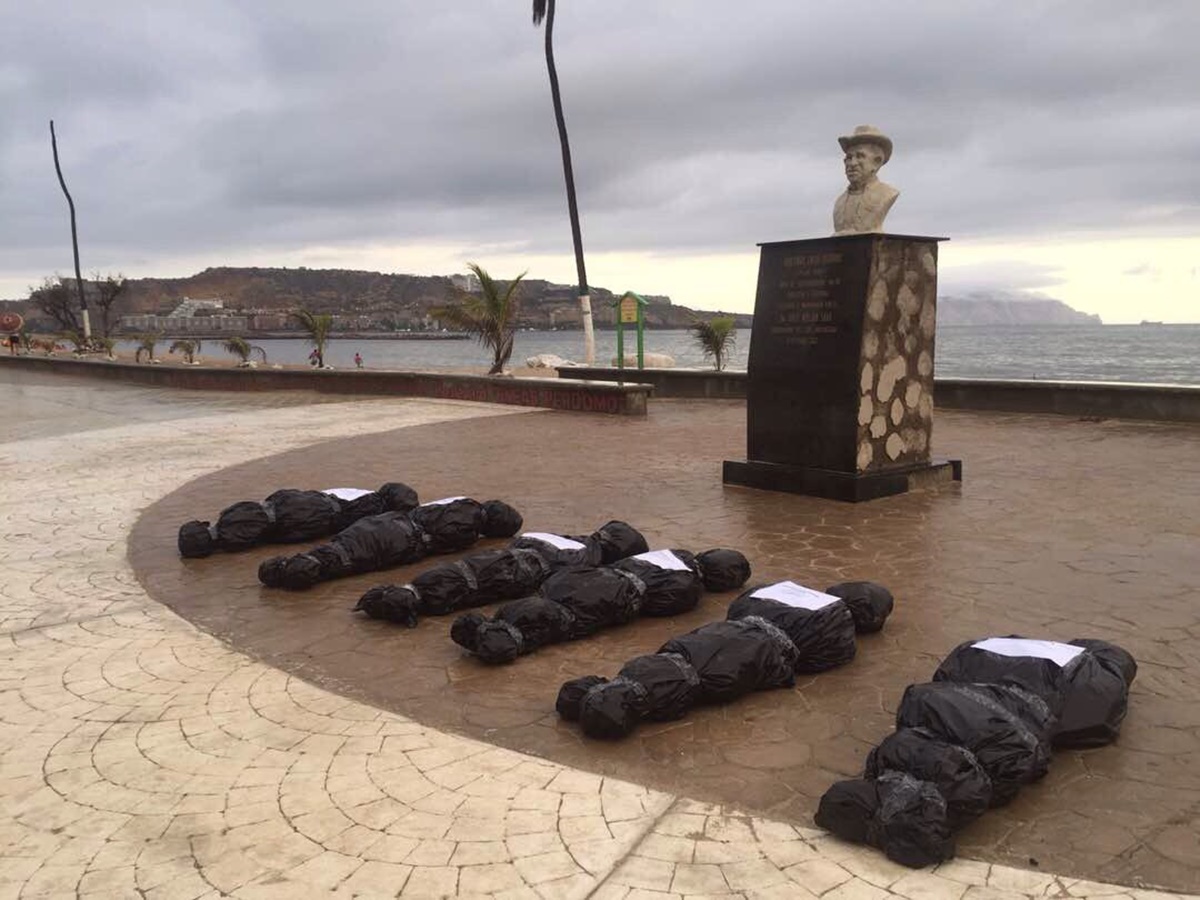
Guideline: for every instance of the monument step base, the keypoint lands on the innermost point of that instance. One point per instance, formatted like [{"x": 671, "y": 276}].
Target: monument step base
[{"x": 846, "y": 486}]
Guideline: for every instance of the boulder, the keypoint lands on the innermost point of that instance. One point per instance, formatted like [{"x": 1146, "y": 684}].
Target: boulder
[
  {"x": 547, "y": 361},
  {"x": 649, "y": 361}
]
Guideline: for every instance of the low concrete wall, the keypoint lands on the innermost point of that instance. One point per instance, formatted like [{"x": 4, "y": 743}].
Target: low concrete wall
[
  {"x": 1173, "y": 403},
  {"x": 549, "y": 393},
  {"x": 669, "y": 382},
  {"x": 1167, "y": 402}
]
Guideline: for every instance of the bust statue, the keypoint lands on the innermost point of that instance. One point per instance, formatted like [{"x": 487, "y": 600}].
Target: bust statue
[{"x": 867, "y": 200}]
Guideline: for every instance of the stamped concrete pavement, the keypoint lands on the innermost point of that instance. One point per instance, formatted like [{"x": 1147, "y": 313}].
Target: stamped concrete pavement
[{"x": 141, "y": 757}]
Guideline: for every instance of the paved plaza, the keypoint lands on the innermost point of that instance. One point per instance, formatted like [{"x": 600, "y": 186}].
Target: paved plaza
[{"x": 172, "y": 729}]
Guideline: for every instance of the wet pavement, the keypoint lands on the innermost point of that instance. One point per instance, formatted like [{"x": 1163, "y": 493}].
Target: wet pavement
[{"x": 1063, "y": 528}]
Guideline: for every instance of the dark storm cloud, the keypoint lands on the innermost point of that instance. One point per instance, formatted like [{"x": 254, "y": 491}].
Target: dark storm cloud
[{"x": 695, "y": 126}]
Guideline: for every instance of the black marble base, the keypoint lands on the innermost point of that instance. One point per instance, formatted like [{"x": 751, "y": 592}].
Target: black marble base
[{"x": 833, "y": 485}]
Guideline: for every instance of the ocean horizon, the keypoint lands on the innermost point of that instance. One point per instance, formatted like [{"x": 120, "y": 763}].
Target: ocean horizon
[{"x": 1145, "y": 354}]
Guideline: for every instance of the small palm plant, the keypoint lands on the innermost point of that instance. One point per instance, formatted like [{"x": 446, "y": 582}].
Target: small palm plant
[
  {"x": 716, "y": 339},
  {"x": 490, "y": 315},
  {"x": 146, "y": 345},
  {"x": 318, "y": 326},
  {"x": 188, "y": 348},
  {"x": 243, "y": 350}
]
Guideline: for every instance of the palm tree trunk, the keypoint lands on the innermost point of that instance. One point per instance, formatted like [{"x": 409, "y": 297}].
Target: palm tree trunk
[
  {"x": 585, "y": 300},
  {"x": 87, "y": 325}
]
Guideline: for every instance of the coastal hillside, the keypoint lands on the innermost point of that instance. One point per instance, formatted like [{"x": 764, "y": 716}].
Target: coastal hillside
[
  {"x": 369, "y": 301},
  {"x": 379, "y": 300},
  {"x": 1007, "y": 309}
]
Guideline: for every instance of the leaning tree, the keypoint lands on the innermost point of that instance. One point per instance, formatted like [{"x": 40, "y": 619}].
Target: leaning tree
[{"x": 544, "y": 9}]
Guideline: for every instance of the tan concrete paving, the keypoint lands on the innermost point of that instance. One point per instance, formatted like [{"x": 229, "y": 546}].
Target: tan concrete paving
[{"x": 141, "y": 757}]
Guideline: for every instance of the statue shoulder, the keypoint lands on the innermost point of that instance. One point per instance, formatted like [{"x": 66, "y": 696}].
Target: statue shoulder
[{"x": 881, "y": 192}]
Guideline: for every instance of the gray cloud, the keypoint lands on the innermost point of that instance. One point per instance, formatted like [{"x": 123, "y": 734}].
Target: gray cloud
[{"x": 695, "y": 127}]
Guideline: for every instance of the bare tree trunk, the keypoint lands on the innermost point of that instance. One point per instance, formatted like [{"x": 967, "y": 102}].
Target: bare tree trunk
[
  {"x": 585, "y": 300},
  {"x": 87, "y": 325}
]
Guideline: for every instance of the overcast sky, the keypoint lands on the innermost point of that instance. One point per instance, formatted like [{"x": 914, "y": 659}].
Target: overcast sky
[{"x": 1057, "y": 142}]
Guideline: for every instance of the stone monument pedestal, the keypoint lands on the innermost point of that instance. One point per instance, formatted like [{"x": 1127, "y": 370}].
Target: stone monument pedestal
[{"x": 839, "y": 399}]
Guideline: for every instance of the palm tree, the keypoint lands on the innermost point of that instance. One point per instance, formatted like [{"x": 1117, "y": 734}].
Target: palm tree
[
  {"x": 490, "y": 315},
  {"x": 544, "y": 9},
  {"x": 188, "y": 348},
  {"x": 146, "y": 344},
  {"x": 243, "y": 350},
  {"x": 716, "y": 338},
  {"x": 318, "y": 326}
]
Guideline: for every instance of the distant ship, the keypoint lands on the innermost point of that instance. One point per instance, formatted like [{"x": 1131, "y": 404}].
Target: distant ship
[{"x": 1147, "y": 322}]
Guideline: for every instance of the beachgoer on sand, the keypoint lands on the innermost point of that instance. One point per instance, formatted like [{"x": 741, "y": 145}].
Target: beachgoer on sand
[
  {"x": 313, "y": 359},
  {"x": 357, "y": 360}
]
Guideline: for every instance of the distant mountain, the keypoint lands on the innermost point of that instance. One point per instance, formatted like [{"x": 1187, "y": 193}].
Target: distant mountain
[{"x": 1003, "y": 308}]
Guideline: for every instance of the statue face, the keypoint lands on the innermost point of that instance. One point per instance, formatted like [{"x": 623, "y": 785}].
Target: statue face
[{"x": 862, "y": 162}]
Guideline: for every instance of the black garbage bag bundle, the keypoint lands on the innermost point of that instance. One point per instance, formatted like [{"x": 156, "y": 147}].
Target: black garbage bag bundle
[
  {"x": 1007, "y": 729},
  {"x": 980, "y": 730},
  {"x": 617, "y": 540},
  {"x": 1084, "y": 682},
  {"x": 492, "y": 576},
  {"x": 716, "y": 663},
  {"x": 820, "y": 625},
  {"x": 484, "y": 577},
  {"x": 953, "y": 770},
  {"x": 393, "y": 539},
  {"x": 903, "y": 816},
  {"x": 290, "y": 516},
  {"x": 561, "y": 551},
  {"x": 455, "y": 523},
  {"x": 673, "y": 581},
  {"x": 870, "y": 603},
  {"x": 722, "y": 569},
  {"x": 571, "y": 604},
  {"x": 587, "y": 600},
  {"x": 376, "y": 542}
]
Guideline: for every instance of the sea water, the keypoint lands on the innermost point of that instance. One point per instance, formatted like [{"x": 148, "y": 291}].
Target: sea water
[{"x": 1163, "y": 354}]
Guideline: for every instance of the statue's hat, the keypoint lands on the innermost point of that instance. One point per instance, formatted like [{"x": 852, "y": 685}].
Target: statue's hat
[{"x": 868, "y": 134}]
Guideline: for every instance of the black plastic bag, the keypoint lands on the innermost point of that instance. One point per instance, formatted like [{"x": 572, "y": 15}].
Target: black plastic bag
[
  {"x": 672, "y": 579},
  {"x": 559, "y": 550},
  {"x": 954, "y": 770},
  {"x": 571, "y": 694},
  {"x": 715, "y": 663},
  {"x": 500, "y": 520},
  {"x": 488, "y": 576},
  {"x": 518, "y": 627},
  {"x": 722, "y": 569},
  {"x": 390, "y": 603},
  {"x": 592, "y": 598},
  {"x": 734, "y": 658},
  {"x": 491, "y": 576},
  {"x": 618, "y": 540},
  {"x": 289, "y": 516},
  {"x": 820, "y": 626},
  {"x": 657, "y": 687},
  {"x": 870, "y": 603},
  {"x": 1006, "y": 728},
  {"x": 572, "y": 604},
  {"x": 450, "y": 524},
  {"x": 1084, "y": 686},
  {"x": 370, "y": 544},
  {"x": 900, "y": 815}
]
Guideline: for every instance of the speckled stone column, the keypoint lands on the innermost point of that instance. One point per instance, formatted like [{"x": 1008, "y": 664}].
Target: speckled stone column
[
  {"x": 895, "y": 410},
  {"x": 840, "y": 382}
]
